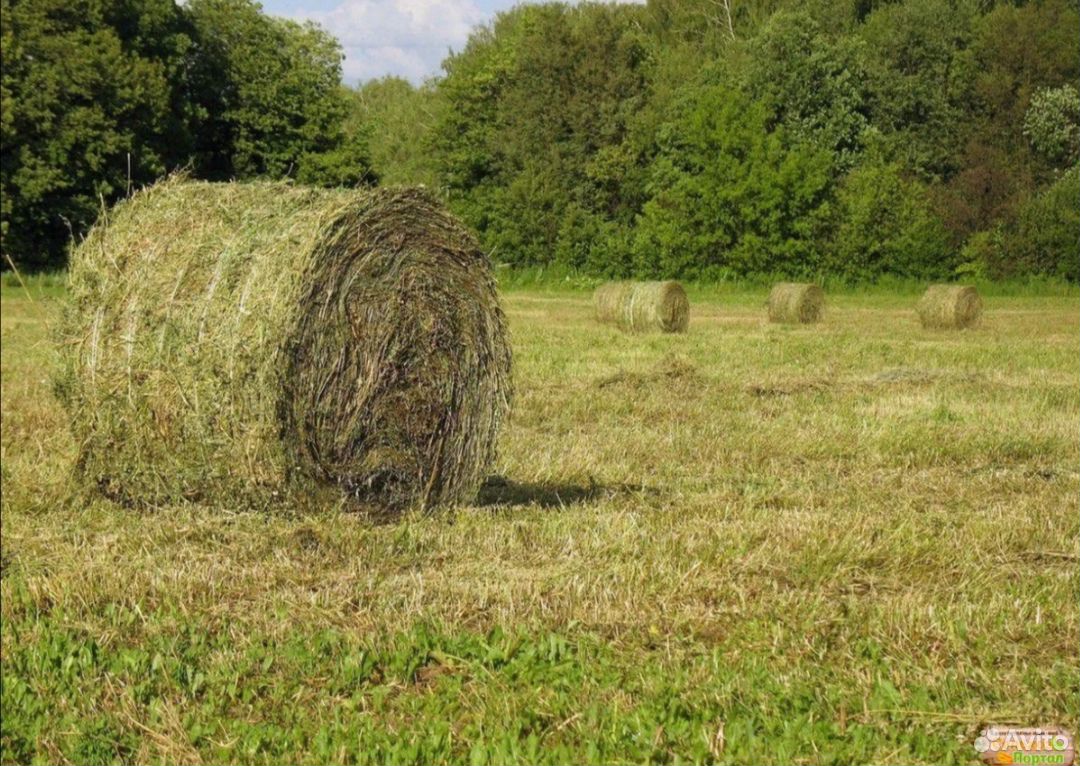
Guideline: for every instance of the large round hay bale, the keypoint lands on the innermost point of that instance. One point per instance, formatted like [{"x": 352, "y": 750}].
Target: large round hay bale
[
  {"x": 643, "y": 306},
  {"x": 244, "y": 343},
  {"x": 794, "y": 302},
  {"x": 948, "y": 307}
]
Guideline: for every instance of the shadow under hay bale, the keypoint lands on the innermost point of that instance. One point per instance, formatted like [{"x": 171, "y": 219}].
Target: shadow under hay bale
[
  {"x": 950, "y": 307},
  {"x": 643, "y": 306},
  {"x": 791, "y": 302},
  {"x": 499, "y": 491},
  {"x": 247, "y": 343}
]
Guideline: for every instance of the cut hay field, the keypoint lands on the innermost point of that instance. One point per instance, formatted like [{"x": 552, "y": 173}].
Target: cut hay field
[{"x": 852, "y": 542}]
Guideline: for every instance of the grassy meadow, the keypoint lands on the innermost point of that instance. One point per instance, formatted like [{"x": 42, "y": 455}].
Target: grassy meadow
[{"x": 844, "y": 543}]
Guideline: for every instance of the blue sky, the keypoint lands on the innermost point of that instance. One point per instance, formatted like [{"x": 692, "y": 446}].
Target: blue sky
[{"x": 403, "y": 37}]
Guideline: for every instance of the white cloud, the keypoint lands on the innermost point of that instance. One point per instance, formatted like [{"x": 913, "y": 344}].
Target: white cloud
[{"x": 404, "y": 37}]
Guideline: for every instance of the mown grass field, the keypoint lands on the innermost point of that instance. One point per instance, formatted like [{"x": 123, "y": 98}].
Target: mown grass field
[{"x": 854, "y": 542}]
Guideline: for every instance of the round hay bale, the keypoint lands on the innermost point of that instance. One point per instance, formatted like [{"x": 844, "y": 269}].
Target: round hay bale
[
  {"x": 244, "y": 343},
  {"x": 949, "y": 307},
  {"x": 643, "y": 306},
  {"x": 793, "y": 302}
]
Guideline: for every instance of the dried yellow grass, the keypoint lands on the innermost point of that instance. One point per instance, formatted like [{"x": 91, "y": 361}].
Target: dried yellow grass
[
  {"x": 950, "y": 307},
  {"x": 247, "y": 342},
  {"x": 643, "y": 306},
  {"x": 797, "y": 303}
]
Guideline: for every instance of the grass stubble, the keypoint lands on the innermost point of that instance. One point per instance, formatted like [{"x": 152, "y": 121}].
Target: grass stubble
[{"x": 850, "y": 542}]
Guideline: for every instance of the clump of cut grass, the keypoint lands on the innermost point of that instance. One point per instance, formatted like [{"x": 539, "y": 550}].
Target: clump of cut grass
[
  {"x": 643, "y": 306},
  {"x": 950, "y": 307},
  {"x": 244, "y": 342},
  {"x": 796, "y": 303},
  {"x": 669, "y": 371}
]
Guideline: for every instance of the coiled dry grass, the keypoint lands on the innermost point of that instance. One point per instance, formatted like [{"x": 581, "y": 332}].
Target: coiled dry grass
[
  {"x": 244, "y": 343},
  {"x": 643, "y": 306}
]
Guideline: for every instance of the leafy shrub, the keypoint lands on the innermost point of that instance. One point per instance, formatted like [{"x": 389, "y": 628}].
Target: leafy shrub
[
  {"x": 731, "y": 196},
  {"x": 883, "y": 224},
  {"x": 1044, "y": 238},
  {"x": 348, "y": 164}
]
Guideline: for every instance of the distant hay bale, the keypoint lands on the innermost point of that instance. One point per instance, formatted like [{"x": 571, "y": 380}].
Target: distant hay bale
[
  {"x": 949, "y": 307},
  {"x": 643, "y": 306},
  {"x": 243, "y": 343},
  {"x": 792, "y": 302}
]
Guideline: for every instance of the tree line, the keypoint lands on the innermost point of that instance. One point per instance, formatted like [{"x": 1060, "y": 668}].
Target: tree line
[{"x": 683, "y": 138}]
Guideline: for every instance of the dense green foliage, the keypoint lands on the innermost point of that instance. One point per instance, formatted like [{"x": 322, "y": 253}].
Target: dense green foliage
[
  {"x": 531, "y": 146},
  {"x": 729, "y": 194},
  {"x": 267, "y": 91},
  {"x": 90, "y": 88},
  {"x": 850, "y": 139},
  {"x": 1041, "y": 238},
  {"x": 1052, "y": 123},
  {"x": 101, "y": 96},
  {"x": 855, "y": 138},
  {"x": 395, "y": 117},
  {"x": 883, "y": 224}
]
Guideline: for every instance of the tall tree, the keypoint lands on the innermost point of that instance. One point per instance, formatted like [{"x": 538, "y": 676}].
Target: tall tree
[
  {"x": 398, "y": 119},
  {"x": 92, "y": 103},
  {"x": 814, "y": 83},
  {"x": 267, "y": 91},
  {"x": 538, "y": 106},
  {"x": 1016, "y": 51},
  {"x": 918, "y": 83},
  {"x": 730, "y": 195}
]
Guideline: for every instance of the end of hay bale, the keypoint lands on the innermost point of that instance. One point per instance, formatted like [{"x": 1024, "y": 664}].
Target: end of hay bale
[
  {"x": 950, "y": 307},
  {"x": 643, "y": 306},
  {"x": 792, "y": 302}
]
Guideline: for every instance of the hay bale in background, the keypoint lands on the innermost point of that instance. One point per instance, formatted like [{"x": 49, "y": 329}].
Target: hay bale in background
[
  {"x": 240, "y": 343},
  {"x": 643, "y": 306},
  {"x": 792, "y": 302},
  {"x": 949, "y": 307}
]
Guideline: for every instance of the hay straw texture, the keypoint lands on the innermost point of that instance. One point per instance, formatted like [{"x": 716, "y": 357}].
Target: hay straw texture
[
  {"x": 246, "y": 342},
  {"x": 949, "y": 307},
  {"x": 798, "y": 303},
  {"x": 643, "y": 306}
]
